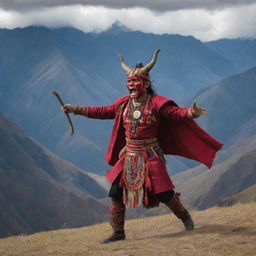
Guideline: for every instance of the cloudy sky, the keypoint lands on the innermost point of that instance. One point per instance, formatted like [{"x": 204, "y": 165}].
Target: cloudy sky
[{"x": 203, "y": 19}]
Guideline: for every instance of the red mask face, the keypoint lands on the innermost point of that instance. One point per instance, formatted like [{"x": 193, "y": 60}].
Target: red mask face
[{"x": 136, "y": 87}]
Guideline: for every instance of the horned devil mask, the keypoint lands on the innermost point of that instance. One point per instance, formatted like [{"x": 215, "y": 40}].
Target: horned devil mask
[{"x": 138, "y": 77}]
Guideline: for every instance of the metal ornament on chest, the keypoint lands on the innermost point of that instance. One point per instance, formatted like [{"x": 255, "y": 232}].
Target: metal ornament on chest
[{"x": 136, "y": 114}]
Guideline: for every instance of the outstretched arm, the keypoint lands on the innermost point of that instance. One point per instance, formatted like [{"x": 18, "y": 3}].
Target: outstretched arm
[
  {"x": 177, "y": 113},
  {"x": 104, "y": 112}
]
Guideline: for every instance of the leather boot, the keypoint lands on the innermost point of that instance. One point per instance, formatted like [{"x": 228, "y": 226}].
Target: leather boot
[
  {"x": 117, "y": 214},
  {"x": 178, "y": 209}
]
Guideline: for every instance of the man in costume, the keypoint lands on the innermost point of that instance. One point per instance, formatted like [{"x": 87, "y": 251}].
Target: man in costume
[{"x": 146, "y": 127}]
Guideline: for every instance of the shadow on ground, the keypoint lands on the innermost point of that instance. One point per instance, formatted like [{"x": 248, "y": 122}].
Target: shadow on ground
[{"x": 226, "y": 230}]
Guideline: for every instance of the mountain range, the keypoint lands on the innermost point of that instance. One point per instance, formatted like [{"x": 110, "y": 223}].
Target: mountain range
[
  {"x": 202, "y": 188},
  {"x": 231, "y": 118},
  {"x": 39, "y": 191},
  {"x": 241, "y": 52},
  {"x": 246, "y": 196},
  {"x": 85, "y": 70},
  {"x": 230, "y": 106}
]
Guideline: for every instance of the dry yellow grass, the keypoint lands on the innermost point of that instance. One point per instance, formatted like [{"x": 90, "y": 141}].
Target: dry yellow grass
[{"x": 218, "y": 232}]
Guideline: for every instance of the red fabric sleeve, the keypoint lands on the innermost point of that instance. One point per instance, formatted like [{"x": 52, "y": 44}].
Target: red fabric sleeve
[
  {"x": 172, "y": 112},
  {"x": 102, "y": 112}
]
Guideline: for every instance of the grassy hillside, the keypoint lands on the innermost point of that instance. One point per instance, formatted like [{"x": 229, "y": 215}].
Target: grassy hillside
[{"x": 218, "y": 232}]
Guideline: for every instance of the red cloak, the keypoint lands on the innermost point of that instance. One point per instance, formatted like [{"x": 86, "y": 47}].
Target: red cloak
[{"x": 176, "y": 137}]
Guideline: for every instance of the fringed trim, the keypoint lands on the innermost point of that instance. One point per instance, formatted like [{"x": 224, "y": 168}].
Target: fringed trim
[
  {"x": 148, "y": 186},
  {"x": 135, "y": 194},
  {"x": 134, "y": 197}
]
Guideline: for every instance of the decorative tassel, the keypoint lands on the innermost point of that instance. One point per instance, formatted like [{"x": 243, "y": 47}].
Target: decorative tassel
[
  {"x": 146, "y": 197},
  {"x": 134, "y": 199},
  {"x": 147, "y": 179},
  {"x": 124, "y": 196},
  {"x": 121, "y": 182}
]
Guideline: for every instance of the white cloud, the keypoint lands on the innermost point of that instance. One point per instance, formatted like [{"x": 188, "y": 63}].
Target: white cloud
[{"x": 200, "y": 23}]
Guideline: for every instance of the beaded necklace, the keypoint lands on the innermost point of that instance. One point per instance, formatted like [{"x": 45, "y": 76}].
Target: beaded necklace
[{"x": 135, "y": 112}]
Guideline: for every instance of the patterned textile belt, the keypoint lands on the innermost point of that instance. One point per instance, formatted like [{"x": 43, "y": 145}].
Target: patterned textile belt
[
  {"x": 151, "y": 146},
  {"x": 141, "y": 145}
]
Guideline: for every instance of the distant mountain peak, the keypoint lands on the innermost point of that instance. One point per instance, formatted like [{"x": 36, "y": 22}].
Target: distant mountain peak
[{"x": 117, "y": 27}]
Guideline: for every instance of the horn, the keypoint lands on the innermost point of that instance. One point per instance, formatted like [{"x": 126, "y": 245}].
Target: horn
[
  {"x": 124, "y": 66},
  {"x": 151, "y": 64}
]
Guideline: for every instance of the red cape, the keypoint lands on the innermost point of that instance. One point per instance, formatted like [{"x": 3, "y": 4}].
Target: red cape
[{"x": 176, "y": 137}]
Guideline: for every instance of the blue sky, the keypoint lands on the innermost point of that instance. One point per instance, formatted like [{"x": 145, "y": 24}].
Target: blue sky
[{"x": 203, "y": 19}]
